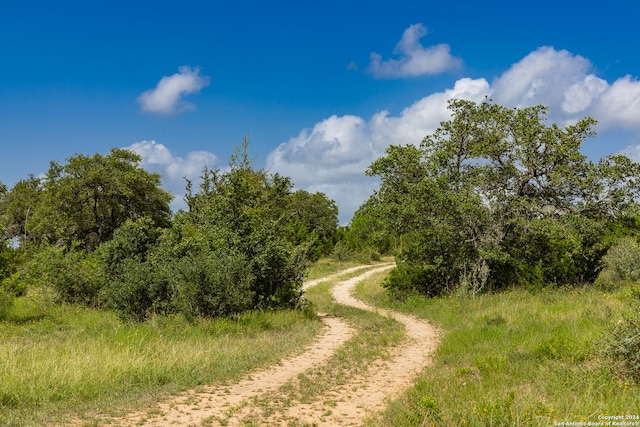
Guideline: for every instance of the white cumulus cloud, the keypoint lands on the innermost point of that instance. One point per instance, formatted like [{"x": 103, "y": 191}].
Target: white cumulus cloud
[
  {"x": 157, "y": 158},
  {"x": 619, "y": 104},
  {"x": 167, "y": 96},
  {"x": 414, "y": 59},
  {"x": 566, "y": 83}
]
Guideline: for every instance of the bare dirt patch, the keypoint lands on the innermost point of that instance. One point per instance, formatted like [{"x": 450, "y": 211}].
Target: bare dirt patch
[{"x": 350, "y": 402}]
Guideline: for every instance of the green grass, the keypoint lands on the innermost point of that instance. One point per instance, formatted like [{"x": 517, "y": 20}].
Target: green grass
[
  {"x": 58, "y": 362},
  {"x": 327, "y": 266},
  {"x": 514, "y": 359}
]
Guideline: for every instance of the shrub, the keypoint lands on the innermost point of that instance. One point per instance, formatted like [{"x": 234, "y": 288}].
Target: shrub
[
  {"x": 408, "y": 278},
  {"x": 622, "y": 261},
  {"x": 14, "y": 285},
  {"x": 6, "y": 302},
  {"x": 213, "y": 285},
  {"x": 75, "y": 275},
  {"x": 623, "y": 348},
  {"x": 140, "y": 290}
]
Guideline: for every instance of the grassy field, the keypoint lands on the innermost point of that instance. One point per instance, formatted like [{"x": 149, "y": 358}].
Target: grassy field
[
  {"x": 511, "y": 359},
  {"x": 58, "y": 362},
  {"x": 515, "y": 359}
]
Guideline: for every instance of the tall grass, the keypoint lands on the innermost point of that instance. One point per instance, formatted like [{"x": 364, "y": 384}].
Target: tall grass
[
  {"x": 515, "y": 359},
  {"x": 58, "y": 362}
]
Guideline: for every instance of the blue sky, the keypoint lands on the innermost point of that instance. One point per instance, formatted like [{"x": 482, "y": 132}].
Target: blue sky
[{"x": 322, "y": 87}]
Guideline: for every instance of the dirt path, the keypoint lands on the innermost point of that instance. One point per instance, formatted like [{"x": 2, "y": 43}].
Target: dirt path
[{"x": 360, "y": 397}]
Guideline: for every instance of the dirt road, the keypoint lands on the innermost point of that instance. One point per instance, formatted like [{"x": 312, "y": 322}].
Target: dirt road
[{"x": 353, "y": 401}]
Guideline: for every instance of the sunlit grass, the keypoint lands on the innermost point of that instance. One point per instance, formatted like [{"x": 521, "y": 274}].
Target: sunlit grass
[
  {"x": 328, "y": 266},
  {"x": 58, "y": 362},
  {"x": 61, "y": 362},
  {"x": 515, "y": 358}
]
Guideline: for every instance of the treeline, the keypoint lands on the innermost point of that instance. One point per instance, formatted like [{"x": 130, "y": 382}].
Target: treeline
[{"x": 99, "y": 231}]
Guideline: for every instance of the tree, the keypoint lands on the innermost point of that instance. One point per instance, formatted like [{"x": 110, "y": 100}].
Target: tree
[
  {"x": 18, "y": 207},
  {"x": 243, "y": 244},
  {"x": 85, "y": 200},
  {"x": 312, "y": 218},
  {"x": 494, "y": 197},
  {"x": 252, "y": 209}
]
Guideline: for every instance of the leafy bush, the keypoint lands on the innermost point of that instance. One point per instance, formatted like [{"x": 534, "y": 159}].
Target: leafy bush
[
  {"x": 14, "y": 285},
  {"x": 132, "y": 241},
  {"x": 76, "y": 276},
  {"x": 213, "y": 285},
  {"x": 408, "y": 278},
  {"x": 623, "y": 261},
  {"x": 140, "y": 290},
  {"x": 10, "y": 259},
  {"x": 6, "y": 302},
  {"x": 623, "y": 348}
]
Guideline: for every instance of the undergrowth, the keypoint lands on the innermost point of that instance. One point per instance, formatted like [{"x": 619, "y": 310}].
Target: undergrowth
[{"x": 516, "y": 358}]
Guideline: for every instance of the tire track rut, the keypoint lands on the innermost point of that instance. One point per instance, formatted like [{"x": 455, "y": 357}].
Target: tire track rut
[{"x": 360, "y": 397}]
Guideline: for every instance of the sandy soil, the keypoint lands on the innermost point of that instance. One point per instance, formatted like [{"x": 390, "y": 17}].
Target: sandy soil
[{"x": 362, "y": 395}]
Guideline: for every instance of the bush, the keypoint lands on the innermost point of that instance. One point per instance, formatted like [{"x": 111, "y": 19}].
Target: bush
[
  {"x": 213, "y": 285},
  {"x": 623, "y": 348},
  {"x": 622, "y": 261},
  {"x": 408, "y": 278},
  {"x": 75, "y": 275},
  {"x": 6, "y": 302},
  {"x": 14, "y": 285},
  {"x": 140, "y": 290}
]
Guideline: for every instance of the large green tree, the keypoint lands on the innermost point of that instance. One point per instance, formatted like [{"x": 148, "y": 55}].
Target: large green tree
[
  {"x": 84, "y": 201},
  {"x": 495, "y": 196}
]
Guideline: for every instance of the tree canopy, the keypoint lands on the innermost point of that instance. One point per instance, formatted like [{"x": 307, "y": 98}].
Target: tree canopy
[
  {"x": 99, "y": 231},
  {"x": 84, "y": 201},
  {"x": 495, "y": 196}
]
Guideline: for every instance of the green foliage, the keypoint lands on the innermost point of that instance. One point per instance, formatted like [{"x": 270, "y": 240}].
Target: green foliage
[
  {"x": 494, "y": 197},
  {"x": 132, "y": 241},
  {"x": 139, "y": 290},
  {"x": 75, "y": 275},
  {"x": 6, "y": 302},
  {"x": 313, "y": 220},
  {"x": 213, "y": 285},
  {"x": 8, "y": 259},
  {"x": 251, "y": 212},
  {"x": 622, "y": 261},
  {"x": 97, "y": 230},
  {"x": 84, "y": 201},
  {"x": 14, "y": 285},
  {"x": 621, "y": 265},
  {"x": 623, "y": 347},
  {"x": 242, "y": 245}
]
